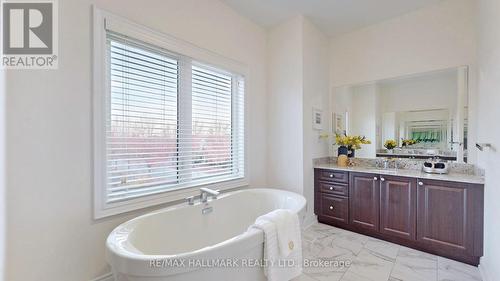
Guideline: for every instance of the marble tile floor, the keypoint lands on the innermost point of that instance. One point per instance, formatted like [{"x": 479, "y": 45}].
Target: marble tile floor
[{"x": 348, "y": 256}]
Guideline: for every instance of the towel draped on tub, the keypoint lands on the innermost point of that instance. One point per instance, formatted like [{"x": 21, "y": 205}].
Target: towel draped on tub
[{"x": 282, "y": 244}]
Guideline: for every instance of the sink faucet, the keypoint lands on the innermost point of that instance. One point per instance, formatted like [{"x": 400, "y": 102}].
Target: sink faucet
[
  {"x": 205, "y": 192},
  {"x": 385, "y": 162}
]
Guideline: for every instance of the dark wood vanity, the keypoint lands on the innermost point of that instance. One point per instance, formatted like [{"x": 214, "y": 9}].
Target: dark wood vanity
[{"x": 440, "y": 217}]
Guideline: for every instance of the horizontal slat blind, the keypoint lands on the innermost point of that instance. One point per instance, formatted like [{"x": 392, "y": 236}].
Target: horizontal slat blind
[
  {"x": 164, "y": 131},
  {"x": 213, "y": 141},
  {"x": 141, "y": 137}
]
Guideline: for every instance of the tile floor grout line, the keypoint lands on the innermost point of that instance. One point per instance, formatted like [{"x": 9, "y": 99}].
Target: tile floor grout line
[
  {"x": 343, "y": 274},
  {"x": 437, "y": 268},
  {"x": 394, "y": 263},
  {"x": 310, "y": 276}
]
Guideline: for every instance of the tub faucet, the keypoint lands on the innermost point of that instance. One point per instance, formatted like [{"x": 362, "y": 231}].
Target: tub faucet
[
  {"x": 190, "y": 200},
  {"x": 205, "y": 192}
]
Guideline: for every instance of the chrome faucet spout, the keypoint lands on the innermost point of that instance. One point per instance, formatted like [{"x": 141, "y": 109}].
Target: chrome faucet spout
[{"x": 205, "y": 192}]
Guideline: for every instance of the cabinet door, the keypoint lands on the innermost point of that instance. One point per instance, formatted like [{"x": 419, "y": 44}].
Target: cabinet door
[
  {"x": 398, "y": 206},
  {"x": 445, "y": 213},
  {"x": 364, "y": 195}
]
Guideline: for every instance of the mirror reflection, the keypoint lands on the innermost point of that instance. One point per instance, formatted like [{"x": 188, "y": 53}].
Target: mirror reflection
[{"x": 417, "y": 116}]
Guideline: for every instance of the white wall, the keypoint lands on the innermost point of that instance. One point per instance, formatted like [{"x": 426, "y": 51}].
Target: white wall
[
  {"x": 488, "y": 130},
  {"x": 433, "y": 38},
  {"x": 389, "y": 128},
  {"x": 315, "y": 95},
  {"x": 284, "y": 106},
  {"x": 341, "y": 102},
  {"x": 297, "y": 83},
  {"x": 2, "y": 174},
  {"x": 341, "y": 99},
  {"x": 361, "y": 102},
  {"x": 363, "y": 117},
  {"x": 51, "y": 234}
]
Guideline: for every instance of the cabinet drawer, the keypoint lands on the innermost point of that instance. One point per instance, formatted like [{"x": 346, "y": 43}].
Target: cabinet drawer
[
  {"x": 335, "y": 208},
  {"x": 337, "y": 176},
  {"x": 334, "y": 188}
]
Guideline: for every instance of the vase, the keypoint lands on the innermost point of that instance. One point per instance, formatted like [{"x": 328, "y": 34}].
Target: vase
[
  {"x": 351, "y": 152},
  {"x": 390, "y": 151},
  {"x": 342, "y": 159},
  {"x": 343, "y": 150}
]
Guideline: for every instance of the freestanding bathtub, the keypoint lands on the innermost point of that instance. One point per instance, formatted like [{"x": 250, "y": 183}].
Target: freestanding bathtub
[{"x": 182, "y": 244}]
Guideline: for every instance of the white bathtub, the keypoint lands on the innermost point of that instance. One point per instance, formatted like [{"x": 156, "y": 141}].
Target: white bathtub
[{"x": 182, "y": 244}]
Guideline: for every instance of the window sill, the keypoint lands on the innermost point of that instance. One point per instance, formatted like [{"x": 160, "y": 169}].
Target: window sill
[{"x": 112, "y": 209}]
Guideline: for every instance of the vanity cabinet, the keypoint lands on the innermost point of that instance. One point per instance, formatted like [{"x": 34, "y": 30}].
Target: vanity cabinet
[{"x": 440, "y": 217}]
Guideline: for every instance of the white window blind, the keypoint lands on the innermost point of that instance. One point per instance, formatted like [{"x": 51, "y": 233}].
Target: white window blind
[
  {"x": 216, "y": 136},
  {"x": 171, "y": 122}
]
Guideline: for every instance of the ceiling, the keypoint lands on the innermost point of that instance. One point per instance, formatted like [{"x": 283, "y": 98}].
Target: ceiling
[{"x": 333, "y": 17}]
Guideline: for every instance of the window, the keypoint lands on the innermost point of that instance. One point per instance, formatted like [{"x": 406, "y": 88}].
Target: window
[{"x": 165, "y": 123}]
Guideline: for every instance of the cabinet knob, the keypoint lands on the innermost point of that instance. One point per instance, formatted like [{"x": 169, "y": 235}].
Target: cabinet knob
[
  {"x": 331, "y": 175},
  {"x": 420, "y": 183},
  {"x": 331, "y": 187},
  {"x": 331, "y": 207},
  {"x": 382, "y": 179},
  {"x": 375, "y": 178}
]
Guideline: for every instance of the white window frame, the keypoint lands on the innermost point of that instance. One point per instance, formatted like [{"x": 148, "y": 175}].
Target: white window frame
[{"x": 102, "y": 22}]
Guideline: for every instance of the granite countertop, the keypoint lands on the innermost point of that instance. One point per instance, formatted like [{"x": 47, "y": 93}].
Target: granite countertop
[{"x": 456, "y": 177}]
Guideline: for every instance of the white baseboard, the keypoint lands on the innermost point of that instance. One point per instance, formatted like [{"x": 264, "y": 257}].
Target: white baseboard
[
  {"x": 105, "y": 277},
  {"x": 483, "y": 270}
]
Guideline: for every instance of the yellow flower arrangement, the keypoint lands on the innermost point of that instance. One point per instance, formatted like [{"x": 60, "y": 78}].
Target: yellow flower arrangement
[
  {"x": 409, "y": 142},
  {"x": 390, "y": 144},
  {"x": 352, "y": 142}
]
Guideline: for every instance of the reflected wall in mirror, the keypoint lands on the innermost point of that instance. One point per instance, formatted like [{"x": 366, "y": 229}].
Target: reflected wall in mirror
[{"x": 425, "y": 114}]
